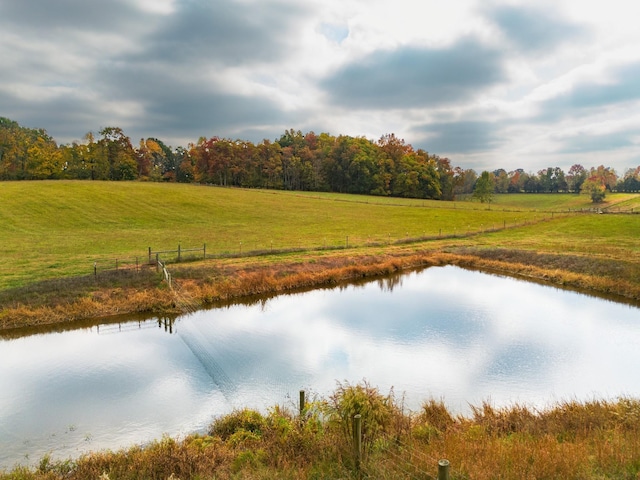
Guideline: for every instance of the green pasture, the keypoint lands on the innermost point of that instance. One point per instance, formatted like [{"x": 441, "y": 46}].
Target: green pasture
[{"x": 60, "y": 228}]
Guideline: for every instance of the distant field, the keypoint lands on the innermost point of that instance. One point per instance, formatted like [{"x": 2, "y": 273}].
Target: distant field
[{"x": 60, "y": 228}]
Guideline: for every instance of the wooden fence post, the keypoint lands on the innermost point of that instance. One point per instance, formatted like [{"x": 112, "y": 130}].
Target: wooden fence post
[
  {"x": 302, "y": 403},
  {"x": 157, "y": 262},
  {"x": 443, "y": 469},
  {"x": 95, "y": 269},
  {"x": 204, "y": 251},
  {"x": 357, "y": 440},
  {"x": 178, "y": 252}
]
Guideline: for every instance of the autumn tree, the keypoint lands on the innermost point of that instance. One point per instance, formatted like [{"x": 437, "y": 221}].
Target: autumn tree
[
  {"x": 446, "y": 176},
  {"x": 575, "y": 178},
  {"x": 631, "y": 181},
  {"x": 594, "y": 187},
  {"x": 115, "y": 147},
  {"x": 600, "y": 180}
]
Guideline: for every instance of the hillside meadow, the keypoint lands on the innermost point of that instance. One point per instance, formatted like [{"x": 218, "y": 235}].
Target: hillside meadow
[{"x": 63, "y": 240}]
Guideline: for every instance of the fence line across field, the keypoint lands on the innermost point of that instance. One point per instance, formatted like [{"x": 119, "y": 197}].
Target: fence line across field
[{"x": 245, "y": 248}]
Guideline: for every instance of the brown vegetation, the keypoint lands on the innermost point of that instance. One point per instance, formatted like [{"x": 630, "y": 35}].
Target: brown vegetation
[
  {"x": 598, "y": 440},
  {"x": 204, "y": 284}
]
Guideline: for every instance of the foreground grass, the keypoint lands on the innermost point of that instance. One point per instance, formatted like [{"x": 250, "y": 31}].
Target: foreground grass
[{"x": 595, "y": 440}]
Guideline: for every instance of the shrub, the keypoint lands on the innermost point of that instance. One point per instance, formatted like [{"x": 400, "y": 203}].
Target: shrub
[{"x": 247, "y": 420}]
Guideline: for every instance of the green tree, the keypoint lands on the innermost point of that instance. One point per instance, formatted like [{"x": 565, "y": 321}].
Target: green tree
[
  {"x": 120, "y": 157},
  {"x": 483, "y": 190},
  {"x": 576, "y": 177}
]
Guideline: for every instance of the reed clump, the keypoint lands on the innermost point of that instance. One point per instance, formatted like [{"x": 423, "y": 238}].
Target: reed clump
[{"x": 598, "y": 439}]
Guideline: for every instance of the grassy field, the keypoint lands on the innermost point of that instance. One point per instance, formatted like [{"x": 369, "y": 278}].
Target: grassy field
[
  {"x": 60, "y": 228},
  {"x": 54, "y": 232}
]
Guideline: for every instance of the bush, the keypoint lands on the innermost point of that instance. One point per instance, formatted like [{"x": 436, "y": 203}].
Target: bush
[{"x": 246, "y": 420}]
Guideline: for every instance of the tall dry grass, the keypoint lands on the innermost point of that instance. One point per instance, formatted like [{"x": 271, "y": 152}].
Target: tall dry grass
[
  {"x": 572, "y": 440},
  {"x": 205, "y": 284}
]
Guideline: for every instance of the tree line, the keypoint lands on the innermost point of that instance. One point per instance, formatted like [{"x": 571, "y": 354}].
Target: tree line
[{"x": 295, "y": 161}]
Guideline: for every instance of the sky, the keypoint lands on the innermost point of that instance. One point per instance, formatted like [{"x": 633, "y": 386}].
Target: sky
[{"x": 488, "y": 84}]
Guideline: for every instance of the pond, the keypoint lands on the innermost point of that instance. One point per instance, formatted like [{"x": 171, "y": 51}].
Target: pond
[{"x": 458, "y": 335}]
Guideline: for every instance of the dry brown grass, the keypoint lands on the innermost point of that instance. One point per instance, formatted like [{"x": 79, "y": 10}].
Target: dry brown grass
[
  {"x": 570, "y": 441},
  {"x": 206, "y": 283}
]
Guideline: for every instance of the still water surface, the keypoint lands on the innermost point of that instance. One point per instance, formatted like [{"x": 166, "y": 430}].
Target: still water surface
[{"x": 445, "y": 332}]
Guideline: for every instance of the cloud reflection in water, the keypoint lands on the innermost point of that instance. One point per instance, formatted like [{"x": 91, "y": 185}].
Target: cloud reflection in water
[{"x": 448, "y": 333}]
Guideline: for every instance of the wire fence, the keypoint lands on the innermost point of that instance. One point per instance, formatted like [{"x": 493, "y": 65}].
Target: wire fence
[{"x": 161, "y": 258}]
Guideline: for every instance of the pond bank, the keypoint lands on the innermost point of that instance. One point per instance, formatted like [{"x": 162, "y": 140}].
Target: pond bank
[{"x": 202, "y": 284}]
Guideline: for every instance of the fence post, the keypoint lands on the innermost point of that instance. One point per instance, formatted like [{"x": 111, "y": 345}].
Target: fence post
[
  {"x": 95, "y": 269},
  {"x": 357, "y": 440},
  {"x": 302, "y": 403},
  {"x": 204, "y": 251},
  {"x": 443, "y": 469},
  {"x": 178, "y": 252},
  {"x": 157, "y": 262}
]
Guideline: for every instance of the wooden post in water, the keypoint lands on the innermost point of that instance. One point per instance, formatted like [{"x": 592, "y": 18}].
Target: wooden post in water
[{"x": 443, "y": 469}]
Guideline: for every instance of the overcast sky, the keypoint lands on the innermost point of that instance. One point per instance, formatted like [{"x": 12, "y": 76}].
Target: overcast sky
[{"x": 526, "y": 84}]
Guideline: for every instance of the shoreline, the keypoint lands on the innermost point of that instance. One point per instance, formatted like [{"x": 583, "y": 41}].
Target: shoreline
[{"x": 202, "y": 285}]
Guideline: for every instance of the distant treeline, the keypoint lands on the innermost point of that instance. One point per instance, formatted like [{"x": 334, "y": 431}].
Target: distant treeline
[{"x": 295, "y": 161}]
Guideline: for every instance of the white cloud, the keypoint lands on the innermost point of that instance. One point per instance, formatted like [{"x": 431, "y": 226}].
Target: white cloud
[{"x": 528, "y": 73}]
